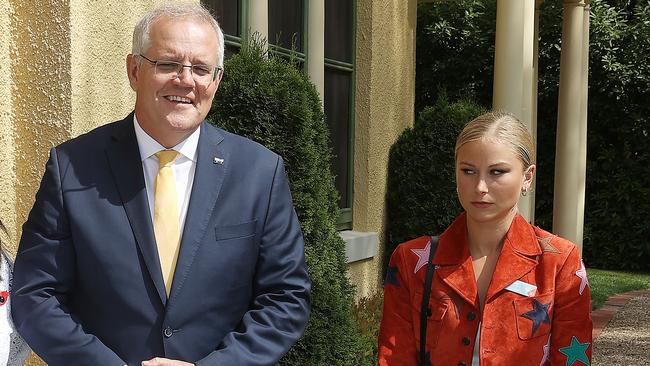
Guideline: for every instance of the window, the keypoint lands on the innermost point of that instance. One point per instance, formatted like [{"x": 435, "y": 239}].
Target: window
[
  {"x": 339, "y": 97},
  {"x": 288, "y": 23}
]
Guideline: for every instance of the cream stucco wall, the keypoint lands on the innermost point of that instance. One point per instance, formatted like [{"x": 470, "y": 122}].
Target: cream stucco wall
[
  {"x": 7, "y": 164},
  {"x": 100, "y": 38},
  {"x": 385, "y": 93}
]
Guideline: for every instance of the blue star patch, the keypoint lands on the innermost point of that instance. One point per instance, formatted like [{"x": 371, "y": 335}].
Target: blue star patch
[
  {"x": 391, "y": 277},
  {"x": 538, "y": 315}
]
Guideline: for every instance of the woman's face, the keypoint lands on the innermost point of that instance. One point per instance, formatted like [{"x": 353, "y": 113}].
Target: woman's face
[{"x": 490, "y": 178}]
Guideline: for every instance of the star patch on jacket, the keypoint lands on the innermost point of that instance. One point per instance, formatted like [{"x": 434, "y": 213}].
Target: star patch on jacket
[
  {"x": 576, "y": 351},
  {"x": 582, "y": 273},
  {"x": 423, "y": 256},
  {"x": 391, "y": 277},
  {"x": 538, "y": 315}
]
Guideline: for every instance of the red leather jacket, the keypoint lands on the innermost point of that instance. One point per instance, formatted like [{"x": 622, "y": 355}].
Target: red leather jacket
[{"x": 537, "y": 308}]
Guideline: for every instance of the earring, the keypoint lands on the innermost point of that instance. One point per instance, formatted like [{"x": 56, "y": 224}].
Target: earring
[{"x": 524, "y": 192}]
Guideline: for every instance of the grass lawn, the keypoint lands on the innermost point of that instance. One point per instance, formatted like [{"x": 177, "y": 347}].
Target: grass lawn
[{"x": 604, "y": 284}]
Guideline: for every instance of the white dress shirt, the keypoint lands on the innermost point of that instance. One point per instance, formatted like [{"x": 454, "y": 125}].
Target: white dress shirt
[{"x": 184, "y": 167}]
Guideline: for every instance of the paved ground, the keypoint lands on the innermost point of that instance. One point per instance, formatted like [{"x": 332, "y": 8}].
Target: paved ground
[{"x": 625, "y": 339}]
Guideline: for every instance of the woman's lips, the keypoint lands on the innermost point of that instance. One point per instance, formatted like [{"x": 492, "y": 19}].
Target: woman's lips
[{"x": 481, "y": 204}]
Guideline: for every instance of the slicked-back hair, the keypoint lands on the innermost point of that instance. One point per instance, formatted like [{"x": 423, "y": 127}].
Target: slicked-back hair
[
  {"x": 503, "y": 128},
  {"x": 175, "y": 10}
]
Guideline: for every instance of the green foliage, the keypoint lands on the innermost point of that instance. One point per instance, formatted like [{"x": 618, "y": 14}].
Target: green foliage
[
  {"x": 368, "y": 313},
  {"x": 604, "y": 284},
  {"x": 270, "y": 101},
  {"x": 421, "y": 196},
  {"x": 455, "y": 51},
  {"x": 618, "y": 152}
]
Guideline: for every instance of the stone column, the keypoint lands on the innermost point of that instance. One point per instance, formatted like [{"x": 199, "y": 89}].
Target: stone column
[
  {"x": 514, "y": 69},
  {"x": 316, "y": 45},
  {"x": 570, "y": 155},
  {"x": 258, "y": 18}
]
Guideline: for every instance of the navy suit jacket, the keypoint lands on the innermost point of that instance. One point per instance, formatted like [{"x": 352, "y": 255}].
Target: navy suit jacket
[{"x": 88, "y": 289}]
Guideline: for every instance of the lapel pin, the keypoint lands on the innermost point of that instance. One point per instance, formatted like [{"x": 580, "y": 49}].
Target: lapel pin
[{"x": 217, "y": 160}]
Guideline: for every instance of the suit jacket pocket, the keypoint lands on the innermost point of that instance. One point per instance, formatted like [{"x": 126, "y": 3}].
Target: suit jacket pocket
[
  {"x": 236, "y": 231},
  {"x": 534, "y": 316}
]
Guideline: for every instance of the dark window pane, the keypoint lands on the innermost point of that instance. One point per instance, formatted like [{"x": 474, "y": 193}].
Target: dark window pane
[
  {"x": 228, "y": 14},
  {"x": 338, "y": 30},
  {"x": 337, "y": 110},
  {"x": 230, "y": 51},
  {"x": 285, "y": 23}
]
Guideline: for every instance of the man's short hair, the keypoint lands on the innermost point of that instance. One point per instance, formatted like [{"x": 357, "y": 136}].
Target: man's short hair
[{"x": 141, "y": 40}]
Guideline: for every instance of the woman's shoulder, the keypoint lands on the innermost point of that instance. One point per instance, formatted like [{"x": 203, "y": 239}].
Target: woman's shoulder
[{"x": 553, "y": 245}]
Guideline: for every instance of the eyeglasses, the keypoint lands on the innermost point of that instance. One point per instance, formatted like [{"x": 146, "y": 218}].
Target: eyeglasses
[{"x": 203, "y": 74}]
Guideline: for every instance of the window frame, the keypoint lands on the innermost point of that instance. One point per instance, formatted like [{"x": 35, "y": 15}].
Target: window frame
[{"x": 345, "y": 214}]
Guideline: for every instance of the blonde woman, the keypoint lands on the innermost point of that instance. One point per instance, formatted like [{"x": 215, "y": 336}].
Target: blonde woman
[
  {"x": 13, "y": 349},
  {"x": 501, "y": 291}
]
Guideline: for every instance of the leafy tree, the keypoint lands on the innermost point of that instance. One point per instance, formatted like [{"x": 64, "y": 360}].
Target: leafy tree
[{"x": 455, "y": 51}]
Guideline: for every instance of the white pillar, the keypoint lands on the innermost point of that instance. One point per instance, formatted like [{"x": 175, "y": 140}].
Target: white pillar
[
  {"x": 316, "y": 45},
  {"x": 514, "y": 70},
  {"x": 570, "y": 156},
  {"x": 258, "y": 18}
]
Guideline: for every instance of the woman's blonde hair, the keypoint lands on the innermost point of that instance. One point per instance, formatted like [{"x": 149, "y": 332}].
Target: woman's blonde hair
[{"x": 503, "y": 128}]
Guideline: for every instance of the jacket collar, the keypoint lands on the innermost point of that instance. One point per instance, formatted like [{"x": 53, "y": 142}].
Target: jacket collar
[{"x": 518, "y": 257}]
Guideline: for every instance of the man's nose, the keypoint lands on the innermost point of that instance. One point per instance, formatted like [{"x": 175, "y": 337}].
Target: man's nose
[{"x": 185, "y": 76}]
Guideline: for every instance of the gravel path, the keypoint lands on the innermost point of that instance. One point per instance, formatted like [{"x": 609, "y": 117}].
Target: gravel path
[{"x": 626, "y": 339}]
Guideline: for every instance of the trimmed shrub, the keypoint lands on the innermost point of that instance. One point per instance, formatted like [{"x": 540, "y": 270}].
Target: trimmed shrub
[
  {"x": 270, "y": 101},
  {"x": 421, "y": 198}
]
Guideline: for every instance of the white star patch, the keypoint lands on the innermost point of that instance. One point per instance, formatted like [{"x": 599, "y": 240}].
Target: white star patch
[
  {"x": 423, "y": 256},
  {"x": 582, "y": 273},
  {"x": 547, "y": 352}
]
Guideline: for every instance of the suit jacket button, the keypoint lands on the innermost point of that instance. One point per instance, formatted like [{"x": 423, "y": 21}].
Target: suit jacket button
[
  {"x": 471, "y": 316},
  {"x": 168, "y": 332},
  {"x": 466, "y": 341},
  {"x": 461, "y": 363}
]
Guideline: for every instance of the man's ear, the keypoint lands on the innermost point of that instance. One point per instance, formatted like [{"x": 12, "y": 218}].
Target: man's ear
[{"x": 132, "y": 68}]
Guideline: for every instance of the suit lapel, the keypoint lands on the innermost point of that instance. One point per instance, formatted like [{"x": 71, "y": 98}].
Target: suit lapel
[
  {"x": 126, "y": 166},
  {"x": 208, "y": 179}
]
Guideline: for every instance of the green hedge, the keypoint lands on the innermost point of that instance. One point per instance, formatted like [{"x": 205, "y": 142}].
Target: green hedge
[
  {"x": 421, "y": 198},
  {"x": 270, "y": 101}
]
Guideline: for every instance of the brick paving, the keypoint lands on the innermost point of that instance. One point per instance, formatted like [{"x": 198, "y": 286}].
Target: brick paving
[{"x": 622, "y": 330}]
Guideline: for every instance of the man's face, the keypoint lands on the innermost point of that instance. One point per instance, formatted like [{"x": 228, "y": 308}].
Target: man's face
[{"x": 169, "y": 109}]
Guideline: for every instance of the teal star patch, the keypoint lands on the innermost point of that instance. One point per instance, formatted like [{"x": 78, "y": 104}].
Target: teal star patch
[{"x": 576, "y": 351}]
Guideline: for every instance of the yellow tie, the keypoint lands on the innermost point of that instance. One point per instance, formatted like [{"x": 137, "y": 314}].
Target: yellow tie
[{"x": 165, "y": 216}]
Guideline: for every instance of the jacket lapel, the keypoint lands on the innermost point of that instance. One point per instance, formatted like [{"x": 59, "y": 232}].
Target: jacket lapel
[
  {"x": 455, "y": 261},
  {"x": 518, "y": 256},
  {"x": 212, "y": 163},
  {"x": 126, "y": 166}
]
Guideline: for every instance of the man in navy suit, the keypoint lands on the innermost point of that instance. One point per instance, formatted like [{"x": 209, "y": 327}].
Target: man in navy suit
[{"x": 159, "y": 239}]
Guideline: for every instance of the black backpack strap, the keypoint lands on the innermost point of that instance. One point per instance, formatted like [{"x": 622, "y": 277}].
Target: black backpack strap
[{"x": 425, "y": 311}]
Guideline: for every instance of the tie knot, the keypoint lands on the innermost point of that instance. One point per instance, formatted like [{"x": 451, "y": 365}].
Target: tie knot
[{"x": 165, "y": 157}]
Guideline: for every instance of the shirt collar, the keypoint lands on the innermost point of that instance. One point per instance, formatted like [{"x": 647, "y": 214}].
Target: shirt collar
[{"x": 148, "y": 146}]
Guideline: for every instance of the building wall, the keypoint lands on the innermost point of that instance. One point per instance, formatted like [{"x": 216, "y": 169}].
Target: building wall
[{"x": 385, "y": 93}]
